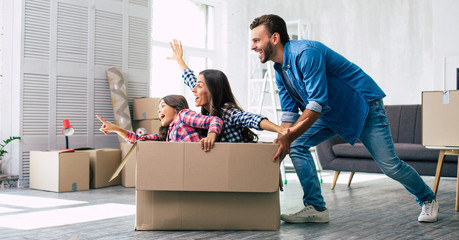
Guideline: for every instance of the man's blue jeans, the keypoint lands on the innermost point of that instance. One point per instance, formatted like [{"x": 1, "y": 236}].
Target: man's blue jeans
[{"x": 376, "y": 138}]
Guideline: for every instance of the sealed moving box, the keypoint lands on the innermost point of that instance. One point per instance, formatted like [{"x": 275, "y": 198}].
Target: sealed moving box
[
  {"x": 145, "y": 108},
  {"x": 232, "y": 187},
  {"x": 440, "y": 118},
  {"x": 59, "y": 171},
  {"x": 103, "y": 162}
]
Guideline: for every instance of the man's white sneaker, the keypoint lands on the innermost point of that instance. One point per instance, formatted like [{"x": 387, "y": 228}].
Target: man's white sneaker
[
  {"x": 307, "y": 214},
  {"x": 429, "y": 211}
]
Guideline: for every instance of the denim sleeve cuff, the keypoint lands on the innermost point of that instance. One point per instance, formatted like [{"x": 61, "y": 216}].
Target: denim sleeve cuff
[
  {"x": 289, "y": 117},
  {"x": 314, "y": 106}
]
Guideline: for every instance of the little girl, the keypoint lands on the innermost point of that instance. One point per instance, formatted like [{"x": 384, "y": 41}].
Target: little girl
[{"x": 178, "y": 124}]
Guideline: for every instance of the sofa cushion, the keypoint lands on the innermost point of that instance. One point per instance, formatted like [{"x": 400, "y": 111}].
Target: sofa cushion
[
  {"x": 405, "y": 123},
  {"x": 346, "y": 150},
  {"x": 405, "y": 151}
]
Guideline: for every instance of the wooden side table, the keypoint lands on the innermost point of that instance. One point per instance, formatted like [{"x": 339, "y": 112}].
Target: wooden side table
[{"x": 443, "y": 152}]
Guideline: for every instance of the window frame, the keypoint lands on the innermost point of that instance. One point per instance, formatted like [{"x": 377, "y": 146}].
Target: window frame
[{"x": 210, "y": 54}]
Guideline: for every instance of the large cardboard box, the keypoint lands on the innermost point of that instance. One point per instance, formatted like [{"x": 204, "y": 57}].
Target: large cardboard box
[
  {"x": 103, "y": 162},
  {"x": 440, "y": 118},
  {"x": 146, "y": 108},
  {"x": 152, "y": 126},
  {"x": 59, "y": 171},
  {"x": 235, "y": 186}
]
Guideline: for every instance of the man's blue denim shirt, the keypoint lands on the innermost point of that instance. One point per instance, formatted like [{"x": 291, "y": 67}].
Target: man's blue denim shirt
[{"x": 329, "y": 84}]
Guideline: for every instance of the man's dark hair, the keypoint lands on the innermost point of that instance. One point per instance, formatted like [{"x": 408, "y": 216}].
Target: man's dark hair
[{"x": 273, "y": 24}]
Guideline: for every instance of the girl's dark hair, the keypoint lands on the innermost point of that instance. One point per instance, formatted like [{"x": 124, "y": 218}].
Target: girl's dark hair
[
  {"x": 178, "y": 102},
  {"x": 273, "y": 24},
  {"x": 222, "y": 97}
]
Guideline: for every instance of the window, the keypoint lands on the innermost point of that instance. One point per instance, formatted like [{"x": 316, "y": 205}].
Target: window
[{"x": 191, "y": 22}]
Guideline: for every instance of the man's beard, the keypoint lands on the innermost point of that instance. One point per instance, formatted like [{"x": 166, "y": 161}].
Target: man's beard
[{"x": 267, "y": 52}]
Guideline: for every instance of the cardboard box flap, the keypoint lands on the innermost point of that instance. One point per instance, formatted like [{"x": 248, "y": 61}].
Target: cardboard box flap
[
  {"x": 123, "y": 162},
  {"x": 228, "y": 167}
]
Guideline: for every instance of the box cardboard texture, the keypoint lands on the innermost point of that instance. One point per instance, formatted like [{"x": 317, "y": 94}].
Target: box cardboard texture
[
  {"x": 59, "y": 171},
  {"x": 440, "y": 118},
  {"x": 152, "y": 126},
  {"x": 146, "y": 108},
  {"x": 232, "y": 187},
  {"x": 103, "y": 162}
]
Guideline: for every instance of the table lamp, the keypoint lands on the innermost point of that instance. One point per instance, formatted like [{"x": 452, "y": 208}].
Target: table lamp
[{"x": 67, "y": 130}]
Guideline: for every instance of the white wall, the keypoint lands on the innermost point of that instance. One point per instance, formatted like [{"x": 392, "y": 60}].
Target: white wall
[
  {"x": 393, "y": 41},
  {"x": 446, "y": 41}
]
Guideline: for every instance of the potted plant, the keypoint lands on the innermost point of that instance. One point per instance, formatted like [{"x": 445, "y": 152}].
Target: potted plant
[{"x": 3, "y": 145}]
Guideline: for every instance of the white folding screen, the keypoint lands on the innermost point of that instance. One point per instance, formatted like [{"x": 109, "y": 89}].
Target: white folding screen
[{"x": 67, "y": 46}]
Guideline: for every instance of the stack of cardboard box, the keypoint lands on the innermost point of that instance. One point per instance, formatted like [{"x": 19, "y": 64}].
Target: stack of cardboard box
[
  {"x": 146, "y": 114},
  {"x": 61, "y": 171}
]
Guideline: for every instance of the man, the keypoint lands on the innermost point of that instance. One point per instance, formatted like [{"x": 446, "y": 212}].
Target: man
[{"x": 337, "y": 97}]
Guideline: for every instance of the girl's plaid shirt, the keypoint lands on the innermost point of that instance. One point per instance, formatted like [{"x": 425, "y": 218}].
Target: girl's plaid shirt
[
  {"x": 184, "y": 128},
  {"x": 234, "y": 120}
]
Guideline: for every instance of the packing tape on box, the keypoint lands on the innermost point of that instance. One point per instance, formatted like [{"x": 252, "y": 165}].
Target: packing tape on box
[{"x": 445, "y": 97}]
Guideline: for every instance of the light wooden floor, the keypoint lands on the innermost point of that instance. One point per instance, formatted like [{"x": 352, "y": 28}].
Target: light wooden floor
[{"x": 374, "y": 207}]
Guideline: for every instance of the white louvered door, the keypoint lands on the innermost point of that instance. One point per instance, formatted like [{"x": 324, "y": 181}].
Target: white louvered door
[{"x": 67, "y": 46}]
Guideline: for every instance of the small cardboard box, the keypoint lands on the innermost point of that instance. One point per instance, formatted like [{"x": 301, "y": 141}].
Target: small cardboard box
[
  {"x": 235, "y": 186},
  {"x": 103, "y": 162},
  {"x": 59, "y": 171},
  {"x": 440, "y": 118},
  {"x": 146, "y": 108},
  {"x": 152, "y": 126}
]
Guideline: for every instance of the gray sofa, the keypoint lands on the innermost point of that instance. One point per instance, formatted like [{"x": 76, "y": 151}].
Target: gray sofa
[{"x": 405, "y": 125}]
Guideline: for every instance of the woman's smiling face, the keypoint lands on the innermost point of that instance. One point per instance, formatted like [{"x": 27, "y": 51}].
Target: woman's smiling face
[{"x": 201, "y": 92}]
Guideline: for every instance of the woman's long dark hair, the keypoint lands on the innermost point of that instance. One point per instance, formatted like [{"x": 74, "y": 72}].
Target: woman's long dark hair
[
  {"x": 222, "y": 97},
  {"x": 178, "y": 102}
]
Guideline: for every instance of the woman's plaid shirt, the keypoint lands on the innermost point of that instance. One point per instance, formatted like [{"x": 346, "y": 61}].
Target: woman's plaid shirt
[{"x": 234, "y": 120}]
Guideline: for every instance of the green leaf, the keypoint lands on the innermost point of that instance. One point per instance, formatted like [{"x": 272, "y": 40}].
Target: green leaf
[{"x": 6, "y": 141}]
